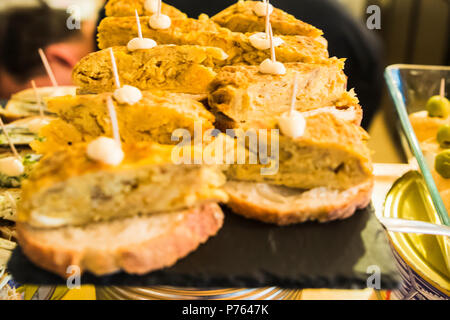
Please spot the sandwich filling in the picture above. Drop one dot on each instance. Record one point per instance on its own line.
(68, 188)
(186, 69)
(154, 118)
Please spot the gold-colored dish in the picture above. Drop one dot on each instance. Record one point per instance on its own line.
(421, 258)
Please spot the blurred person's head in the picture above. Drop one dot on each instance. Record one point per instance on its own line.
(23, 30)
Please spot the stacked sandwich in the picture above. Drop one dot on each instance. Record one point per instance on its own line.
(124, 204)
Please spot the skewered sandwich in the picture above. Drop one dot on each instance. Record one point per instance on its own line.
(68, 188)
(244, 16)
(124, 8)
(244, 97)
(117, 31)
(325, 174)
(154, 118)
(186, 69)
(23, 104)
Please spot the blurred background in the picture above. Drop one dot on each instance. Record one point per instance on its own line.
(412, 31)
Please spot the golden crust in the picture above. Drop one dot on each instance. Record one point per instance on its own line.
(124, 8)
(181, 235)
(185, 69)
(240, 17)
(116, 31)
(329, 206)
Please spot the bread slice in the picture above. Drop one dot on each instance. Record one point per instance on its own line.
(136, 245)
(241, 17)
(249, 98)
(117, 31)
(154, 118)
(124, 8)
(284, 206)
(68, 188)
(186, 69)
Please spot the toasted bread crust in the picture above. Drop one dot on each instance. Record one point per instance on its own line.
(341, 207)
(139, 257)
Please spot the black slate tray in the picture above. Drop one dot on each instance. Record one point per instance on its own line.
(247, 253)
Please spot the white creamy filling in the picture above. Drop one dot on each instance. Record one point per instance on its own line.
(348, 114)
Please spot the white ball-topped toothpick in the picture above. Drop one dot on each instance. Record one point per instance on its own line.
(107, 150)
(140, 42)
(261, 40)
(159, 20)
(123, 94)
(11, 166)
(292, 123)
(272, 66)
(261, 8)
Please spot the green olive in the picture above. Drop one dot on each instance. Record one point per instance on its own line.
(438, 106)
(443, 136)
(442, 164)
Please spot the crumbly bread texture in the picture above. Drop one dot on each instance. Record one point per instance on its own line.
(68, 188)
(331, 153)
(125, 8)
(117, 31)
(249, 98)
(154, 118)
(284, 206)
(135, 245)
(241, 17)
(186, 69)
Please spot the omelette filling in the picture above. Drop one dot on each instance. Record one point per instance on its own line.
(107, 195)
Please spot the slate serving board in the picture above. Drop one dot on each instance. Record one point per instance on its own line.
(250, 254)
